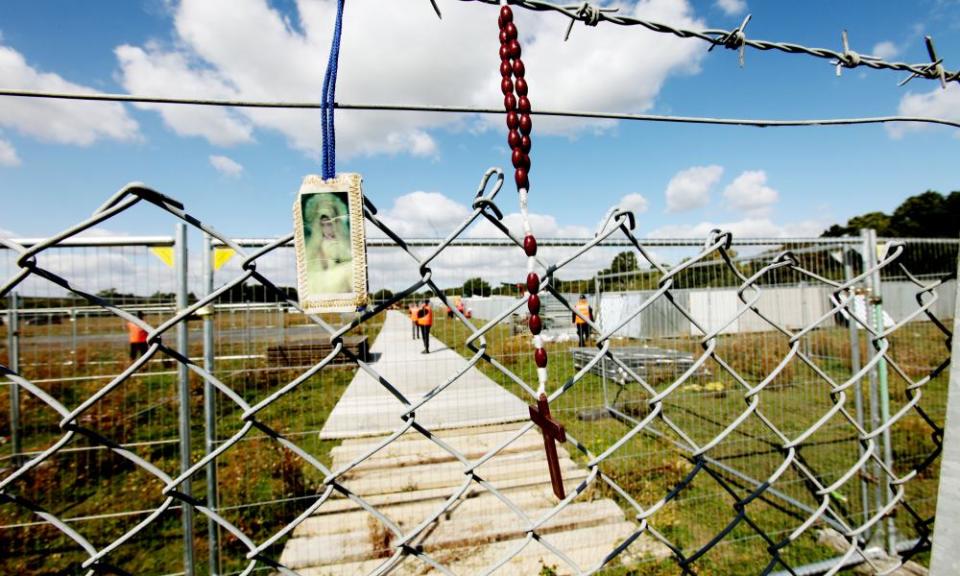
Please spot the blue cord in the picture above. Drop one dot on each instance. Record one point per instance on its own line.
(329, 91)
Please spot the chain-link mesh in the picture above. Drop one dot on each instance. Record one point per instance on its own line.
(777, 501)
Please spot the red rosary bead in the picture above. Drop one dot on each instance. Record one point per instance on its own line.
(533, 283)
(526, 124)
(521, 178)
(530, 245)
(504, 52)
(535, 324)
(505, 69)
(533, 304)
(520, 160)
(521, 87)
(523, 103)
(525, 144)
(506, 86)
(510, 102)
(513, 120)
(503, 37)
(506, 16)
(510, 30)
(514, 49)
(518, 68)
(540, 357)
(514, 139)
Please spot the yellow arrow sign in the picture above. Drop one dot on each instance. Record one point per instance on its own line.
(164, 253)
(221, 255)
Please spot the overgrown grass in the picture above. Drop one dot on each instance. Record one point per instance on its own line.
(262, 486)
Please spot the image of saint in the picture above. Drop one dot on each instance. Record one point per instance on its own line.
(327, 248)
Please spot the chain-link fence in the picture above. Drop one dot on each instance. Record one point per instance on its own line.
(739, 406)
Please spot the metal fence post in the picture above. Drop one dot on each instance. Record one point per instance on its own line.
(848, 255)
(946, 554)
(209, 407)
(881, 392)
(13, 351)
(183, 385)
(74, 319)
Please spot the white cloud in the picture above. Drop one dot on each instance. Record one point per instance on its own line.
(749, 192)
(423, 215)
(394, 53)
(4, 233)
(8, 154)
(732, 7)
(98, 232)
(60, 121)
(937, 103)
(885, 50)
(690, 188)
(635, 203)
(169, 74)
(226, 166)
(542, 225)
(746, 228)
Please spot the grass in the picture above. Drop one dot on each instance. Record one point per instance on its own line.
(262, 486)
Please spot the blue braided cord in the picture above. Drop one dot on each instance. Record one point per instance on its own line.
(327, 103)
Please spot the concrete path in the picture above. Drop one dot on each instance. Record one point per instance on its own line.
(368, 409)
(412, 477)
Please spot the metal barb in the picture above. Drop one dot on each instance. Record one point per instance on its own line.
(586, 12)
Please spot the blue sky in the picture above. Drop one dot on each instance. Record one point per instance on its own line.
(59, 161)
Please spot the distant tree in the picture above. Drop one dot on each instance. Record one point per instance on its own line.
(476, 287)
(927, 215)
(381, 295)
(624, 262)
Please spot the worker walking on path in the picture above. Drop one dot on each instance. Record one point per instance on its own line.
(414, 324)
(583, 311)
(425, 321)
(138, 338)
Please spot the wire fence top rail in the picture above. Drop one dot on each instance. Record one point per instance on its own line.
(442, 108)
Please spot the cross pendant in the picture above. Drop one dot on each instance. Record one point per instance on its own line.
(552, 432)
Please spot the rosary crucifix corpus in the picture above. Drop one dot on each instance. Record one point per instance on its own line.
(515, 101)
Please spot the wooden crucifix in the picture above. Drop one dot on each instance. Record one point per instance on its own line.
(552, 432)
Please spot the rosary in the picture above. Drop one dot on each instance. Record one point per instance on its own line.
(517, 105)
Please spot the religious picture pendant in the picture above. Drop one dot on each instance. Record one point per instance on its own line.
(331, 244)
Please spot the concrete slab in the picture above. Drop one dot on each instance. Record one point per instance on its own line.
(409, 479)
(367, 408)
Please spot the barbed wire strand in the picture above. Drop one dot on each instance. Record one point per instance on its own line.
(736, 39)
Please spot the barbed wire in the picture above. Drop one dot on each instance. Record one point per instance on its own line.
(736, 39)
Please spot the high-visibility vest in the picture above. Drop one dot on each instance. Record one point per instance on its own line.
(413, 313)
(583, 309)
(136, 334)
(426, 319)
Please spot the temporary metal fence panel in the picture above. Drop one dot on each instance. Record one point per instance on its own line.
(721, 434)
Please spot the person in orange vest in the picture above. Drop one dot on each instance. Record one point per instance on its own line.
(583, 329)
(137, 337)
(460, 306)
(414, 324)
(425, 320)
